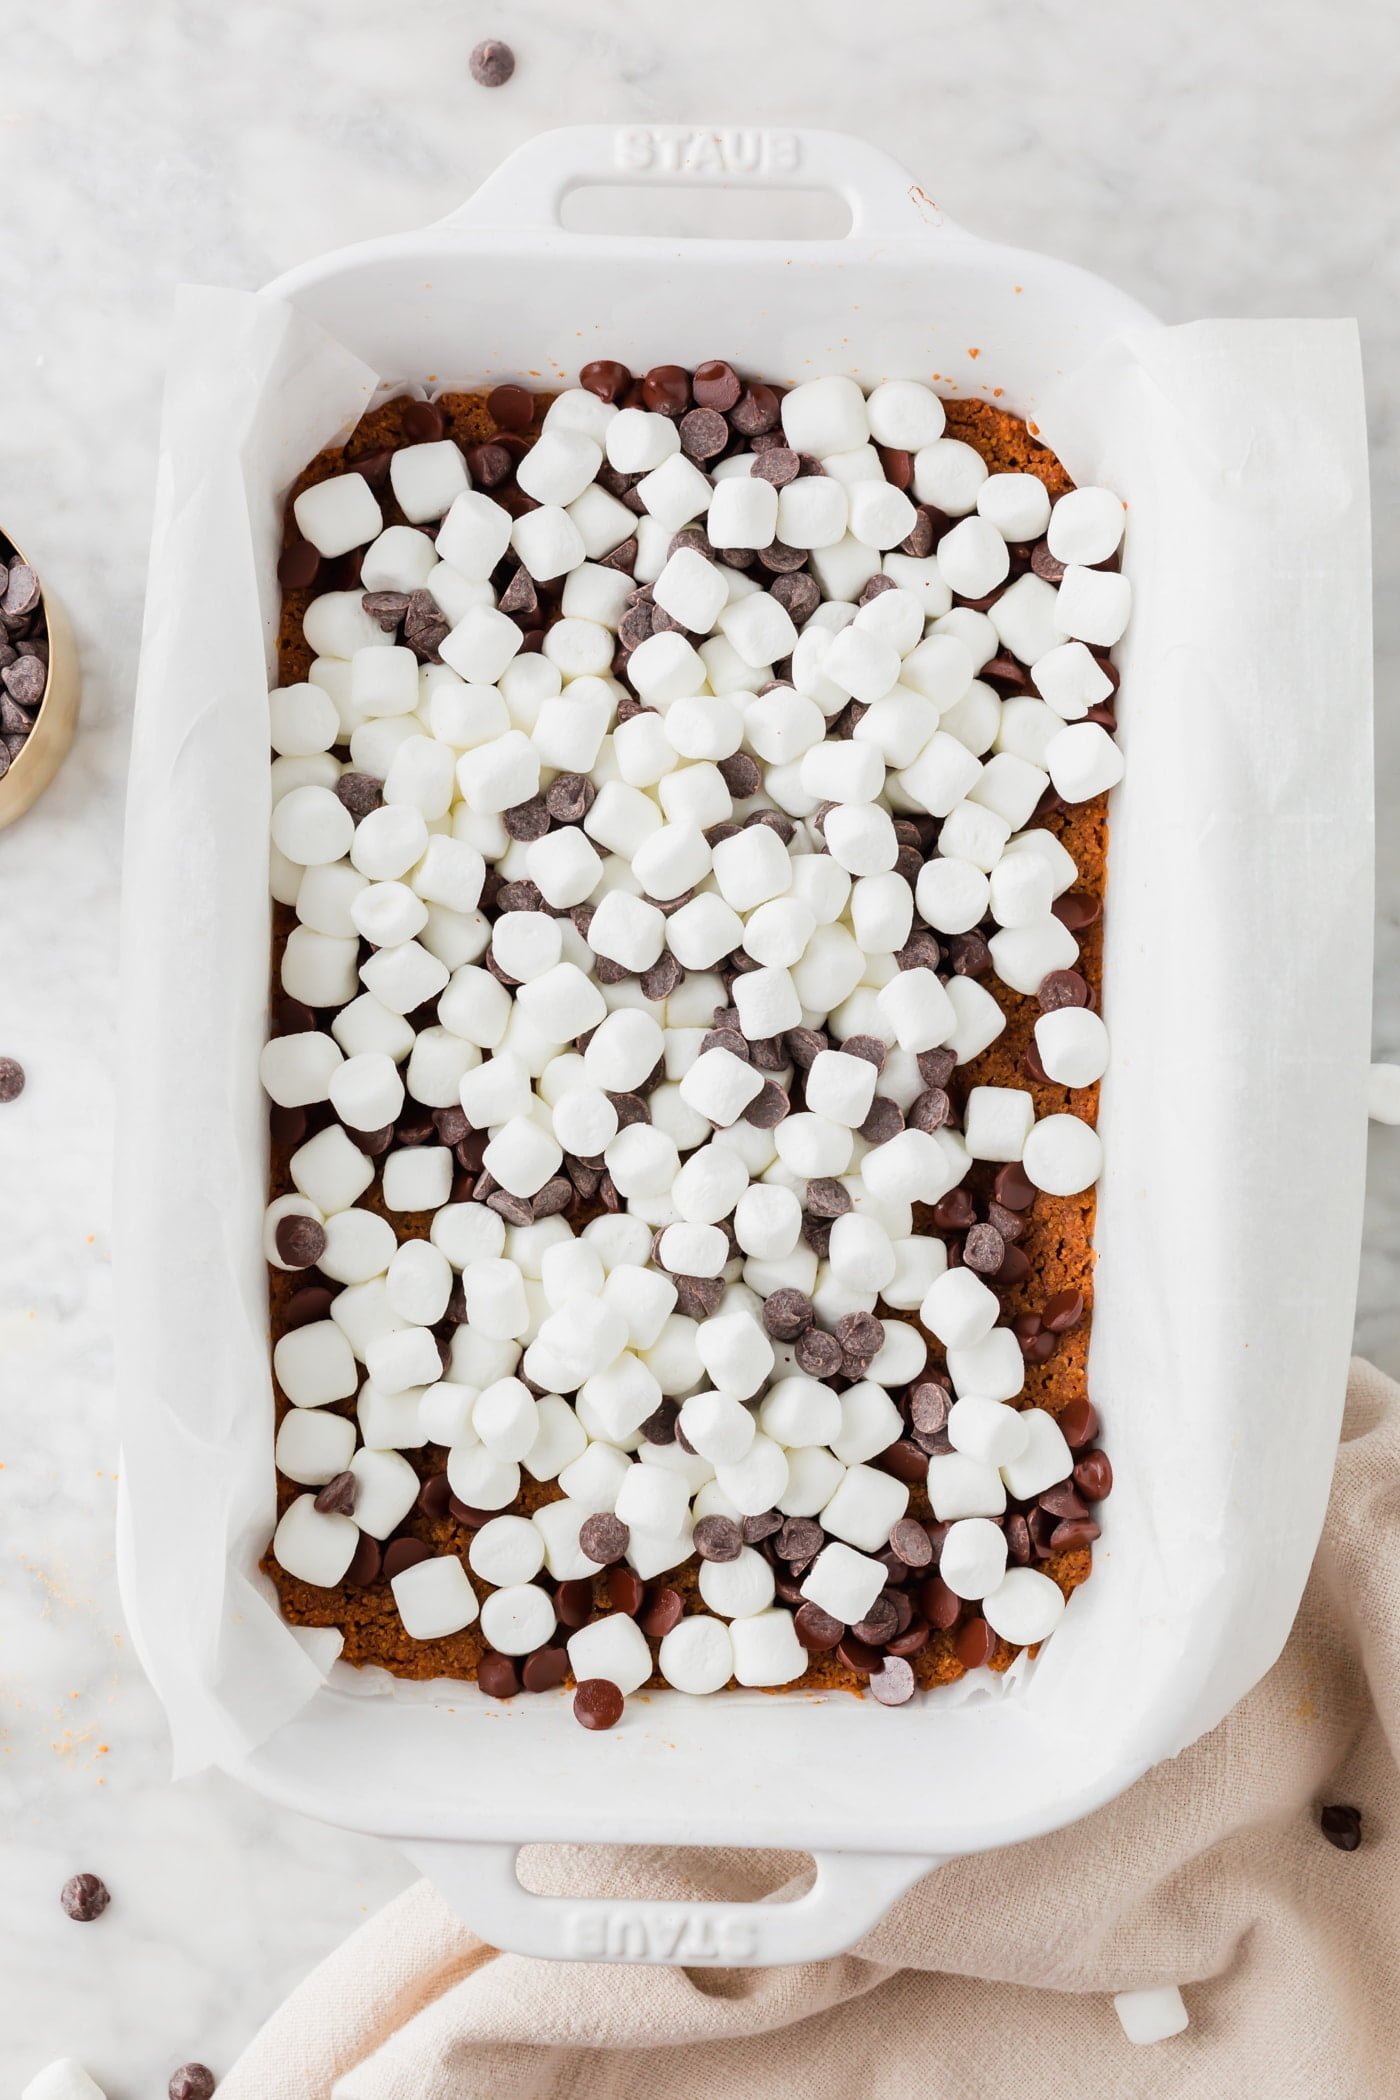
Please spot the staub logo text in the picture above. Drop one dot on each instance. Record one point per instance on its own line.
(673, 150)
(690, 1938)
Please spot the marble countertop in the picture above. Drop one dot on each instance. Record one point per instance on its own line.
(1207, 169)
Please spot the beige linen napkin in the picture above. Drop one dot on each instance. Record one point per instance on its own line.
(994, 1974)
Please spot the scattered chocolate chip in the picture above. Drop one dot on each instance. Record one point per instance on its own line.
(511, 407)
(191, 2082)
(337, 1497)
(932, 1110)
(892, 1682)
(400, 1554)
(298, 566)
(492, 63)
(755, 411)
(909, 1543)
(360, 794)
(300, 1241)
(545, 1669)
(703, 433)
(768, 1107)
(798, 594)
(976, 1644)
(1014, 1187)
(11, 1079)
(816, 1629)
(929, 1406)
(84, 1896)
(498, 1676)
(573, 1602)
(666, 390)
(603, 1537)
(984, 1250)
(800, 1539)
(827, 1198)
(1064, 1311)
(818, 1354)
(860, 1335)
(1062, 988)
(625, 1590)
(1340, 1825)
(880, 1623)
(664, 1609)
(365, 1565)
(597, 1703)
(24, 681)
(718, 1538)
(1093, 1476)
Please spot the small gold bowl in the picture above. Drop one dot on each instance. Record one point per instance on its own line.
(46, 746)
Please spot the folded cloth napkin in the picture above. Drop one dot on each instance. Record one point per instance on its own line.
(994, 1974)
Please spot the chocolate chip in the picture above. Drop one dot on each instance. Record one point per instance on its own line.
(1044, 564)
(489, 464)
(24, 681)
(511, 407)
(400, 1554)
(553, 1199)
(936, 1067)
(191, 2082)
(761, 1526)
(603, 1537)
(984, 1250)
(858, 1655)
(976, 1644)
(884, 1120)
(514, 1209)
(798, 594)
(569, 797)
(545, 1669)
(818, 1354)
(1076, 909)
(1063, 1311)
(703, 433)
(787, 1313)
(1079, 1423)
(385, 608)
(662, 978)
(297, 566)
(573, 1602)
(893, 1682)
(597, 1703)
(492, 63)
(1093, 1476)
(625, 1590)
(11, 1079)
(817, 1233)
(498, 1676)
(860, 1335)
(800, 1539)
(664, 1609)
(932, 1110)
(717, 1538)
(1061, 988)
(909, 1543)
(768, 1107)
(360, 793)
(666, 390)
(969, 955)
(300, 1241)
(520, 597)
(741, 775)
(698, 1296)
(1072, 1533)
(337, 1497)
(755, 411)
(1014, 1187)
(816, 1629)
(955, 1212)
(827, 1198)
(929, 1405)
(84, 1896)
(605, 377)
(879, 1623)
(904, 1459)
(22, 591)
(1340, 1825)
(804, 1046)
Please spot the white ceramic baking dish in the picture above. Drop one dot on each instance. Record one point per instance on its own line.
(1169, 1631)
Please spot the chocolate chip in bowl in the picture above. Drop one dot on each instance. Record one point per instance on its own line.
(38, 683)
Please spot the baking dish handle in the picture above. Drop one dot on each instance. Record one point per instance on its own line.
(850, 1894)
(528, 189)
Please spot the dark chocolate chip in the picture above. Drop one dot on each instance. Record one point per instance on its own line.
(1062, 988)
(298, 566)
(1340, 1824)
(511, 407)
(827, 1198)
(573, 1602)
(666, 390)
(545, 1669)
(603, 1537)
(664, 1609)
(787, 1313)
(624, 1590)
(191, 2082)
(816, 1629)
(337, 1497)
(11, 1079)
(818, 1354)
(300, 1241)
(400, 1554)
(597, 1703)
(718, 1538)
(498, 1676)
(84, 1896)
(909, 1543)
(492, 63)
(360, 793)
(893, 1682)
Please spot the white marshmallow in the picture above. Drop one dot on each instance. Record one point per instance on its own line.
(1063, 1155)
(1010, 787)
(1070, 680)
(800, 1411)
(825, 415)
(642, 1161)
(517, 1619)
(386, 1488)
(987, 1431)
(427, 479)
(613, 1648)
(675, 492)
(743, 513)
(738, 1588)
(814, 1474)
(865, 1507)
(959, 1308)
(952, 895)
(917, 1006)
(697, 1655)
(313, 1546)
(338, 514)
(594, 592)
(559, 465)
(1073, 1046)
(474, 535)
(902, 1356)
(445, 1413)
(961, 1487)
(297, 1070)
(979, 1020)
(314, 1445)
(314, 1365)
(302, 720)
(843, 1582)
(522, 1156)
(693, 1250)
(358, 1246)
(948, 474)
(1086, 526)
(419, 1282)
(560, 1438)
(844, 570)
(495, 1294)
(1094, 606)
(1026, 618)
(480, 1479)
(766, 1649)
(940, 776)
(861, 1256)
(651, 1498)
(904, 414)
(992, 1367)
(1083, 761)
(1023, 956)
(918, 1262)
(638, 441)
(387, 843)
(973, 1560)
(468, 1232)
(997, 1121)
(406, 1357)
(434, 1598)
(548, 543)
(1018, 505)
(311, 826)
(881, 515)
(870, 1421)
(973, 557)
(498, 774)
(736, 1353)
(1026, 1607)
(720, 1086)
(911, 1168)
(719, 1427)
(558, 1525)
(861, 838)
(1021, 890)
(592, 1479)
(767, 1221)
(812, 512)
(692, 590)
(757, 1480)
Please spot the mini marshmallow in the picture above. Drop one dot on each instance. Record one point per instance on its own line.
(561, 1001)
(517, 1619)
(445, 1413)
(870, 1421)
(766, 1649)
(919, 1261)
(1073, 1046)
(902, 1356)
(736, 1353)
(481, 645)
(973, 833)
(366, 1025)
(1063, 1155)
(825, 415)
(623, 1050)
(1025, 729)
(1026, 1607)
(522, 1156)
(427, 479)
(918, 1008)
(843, 1582)
(474, 535)
(904, 414)
(693, 1250)
(1086, 527)
(861, 1256)
(313, 1546)
(338, 514)
(738, 1588)
(813, 512)
(948, 474)
(358, 1246)
(1023, 956)
(1011, 788)
(814, 1474)
(1026, 618)
(841, 1087)
(560, 1438)
(1070, 680)
(387, 843)
(468, 1232)
(483, 1481)
(973, 557)
(386, 1488)
(718, 1427)
(336, 624)
(613, 1648)
(1094, 605)
(900, 724)
(1018, 505)
(709, 1185)
(393, 1421)
(880, 514)
(910, 1168)
(960, 1487)
(637, 441)
(558, 1525)
(642, 1161)
(952, 895)
(419, 1282)
(978, 1018)
(297, 1070)
(548, 543)
(941, 775)
(592, 1479)
(399, 560)
(314, 1445)
(314, 1365)
(524, 944)
(801, 1411)
(755, 1482)
(993, 1367)
(861, 838)
(302, 720)
(504, 1418)
(743, 513)
(882, 912)
(1021, 890)
(585, 1121)
(311, 826)
(387, 913)
(499, 774)
(692, 590)
(811, 1146)
(973, 1559)
(406, 1357)
(594, 592)
(495, 1091)
(865, 1507)
(997, 1121)
(987, 1431)
(564, 867)
(495, 1295)
(404, 977)
(675, 492)
(720, 1086)
(767, 1221)
(434, 1598)
(559, 465)
(1083, 761)
(651, 1498)
(697, 1655)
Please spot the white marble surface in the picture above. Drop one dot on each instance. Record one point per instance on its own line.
(1207, 167)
